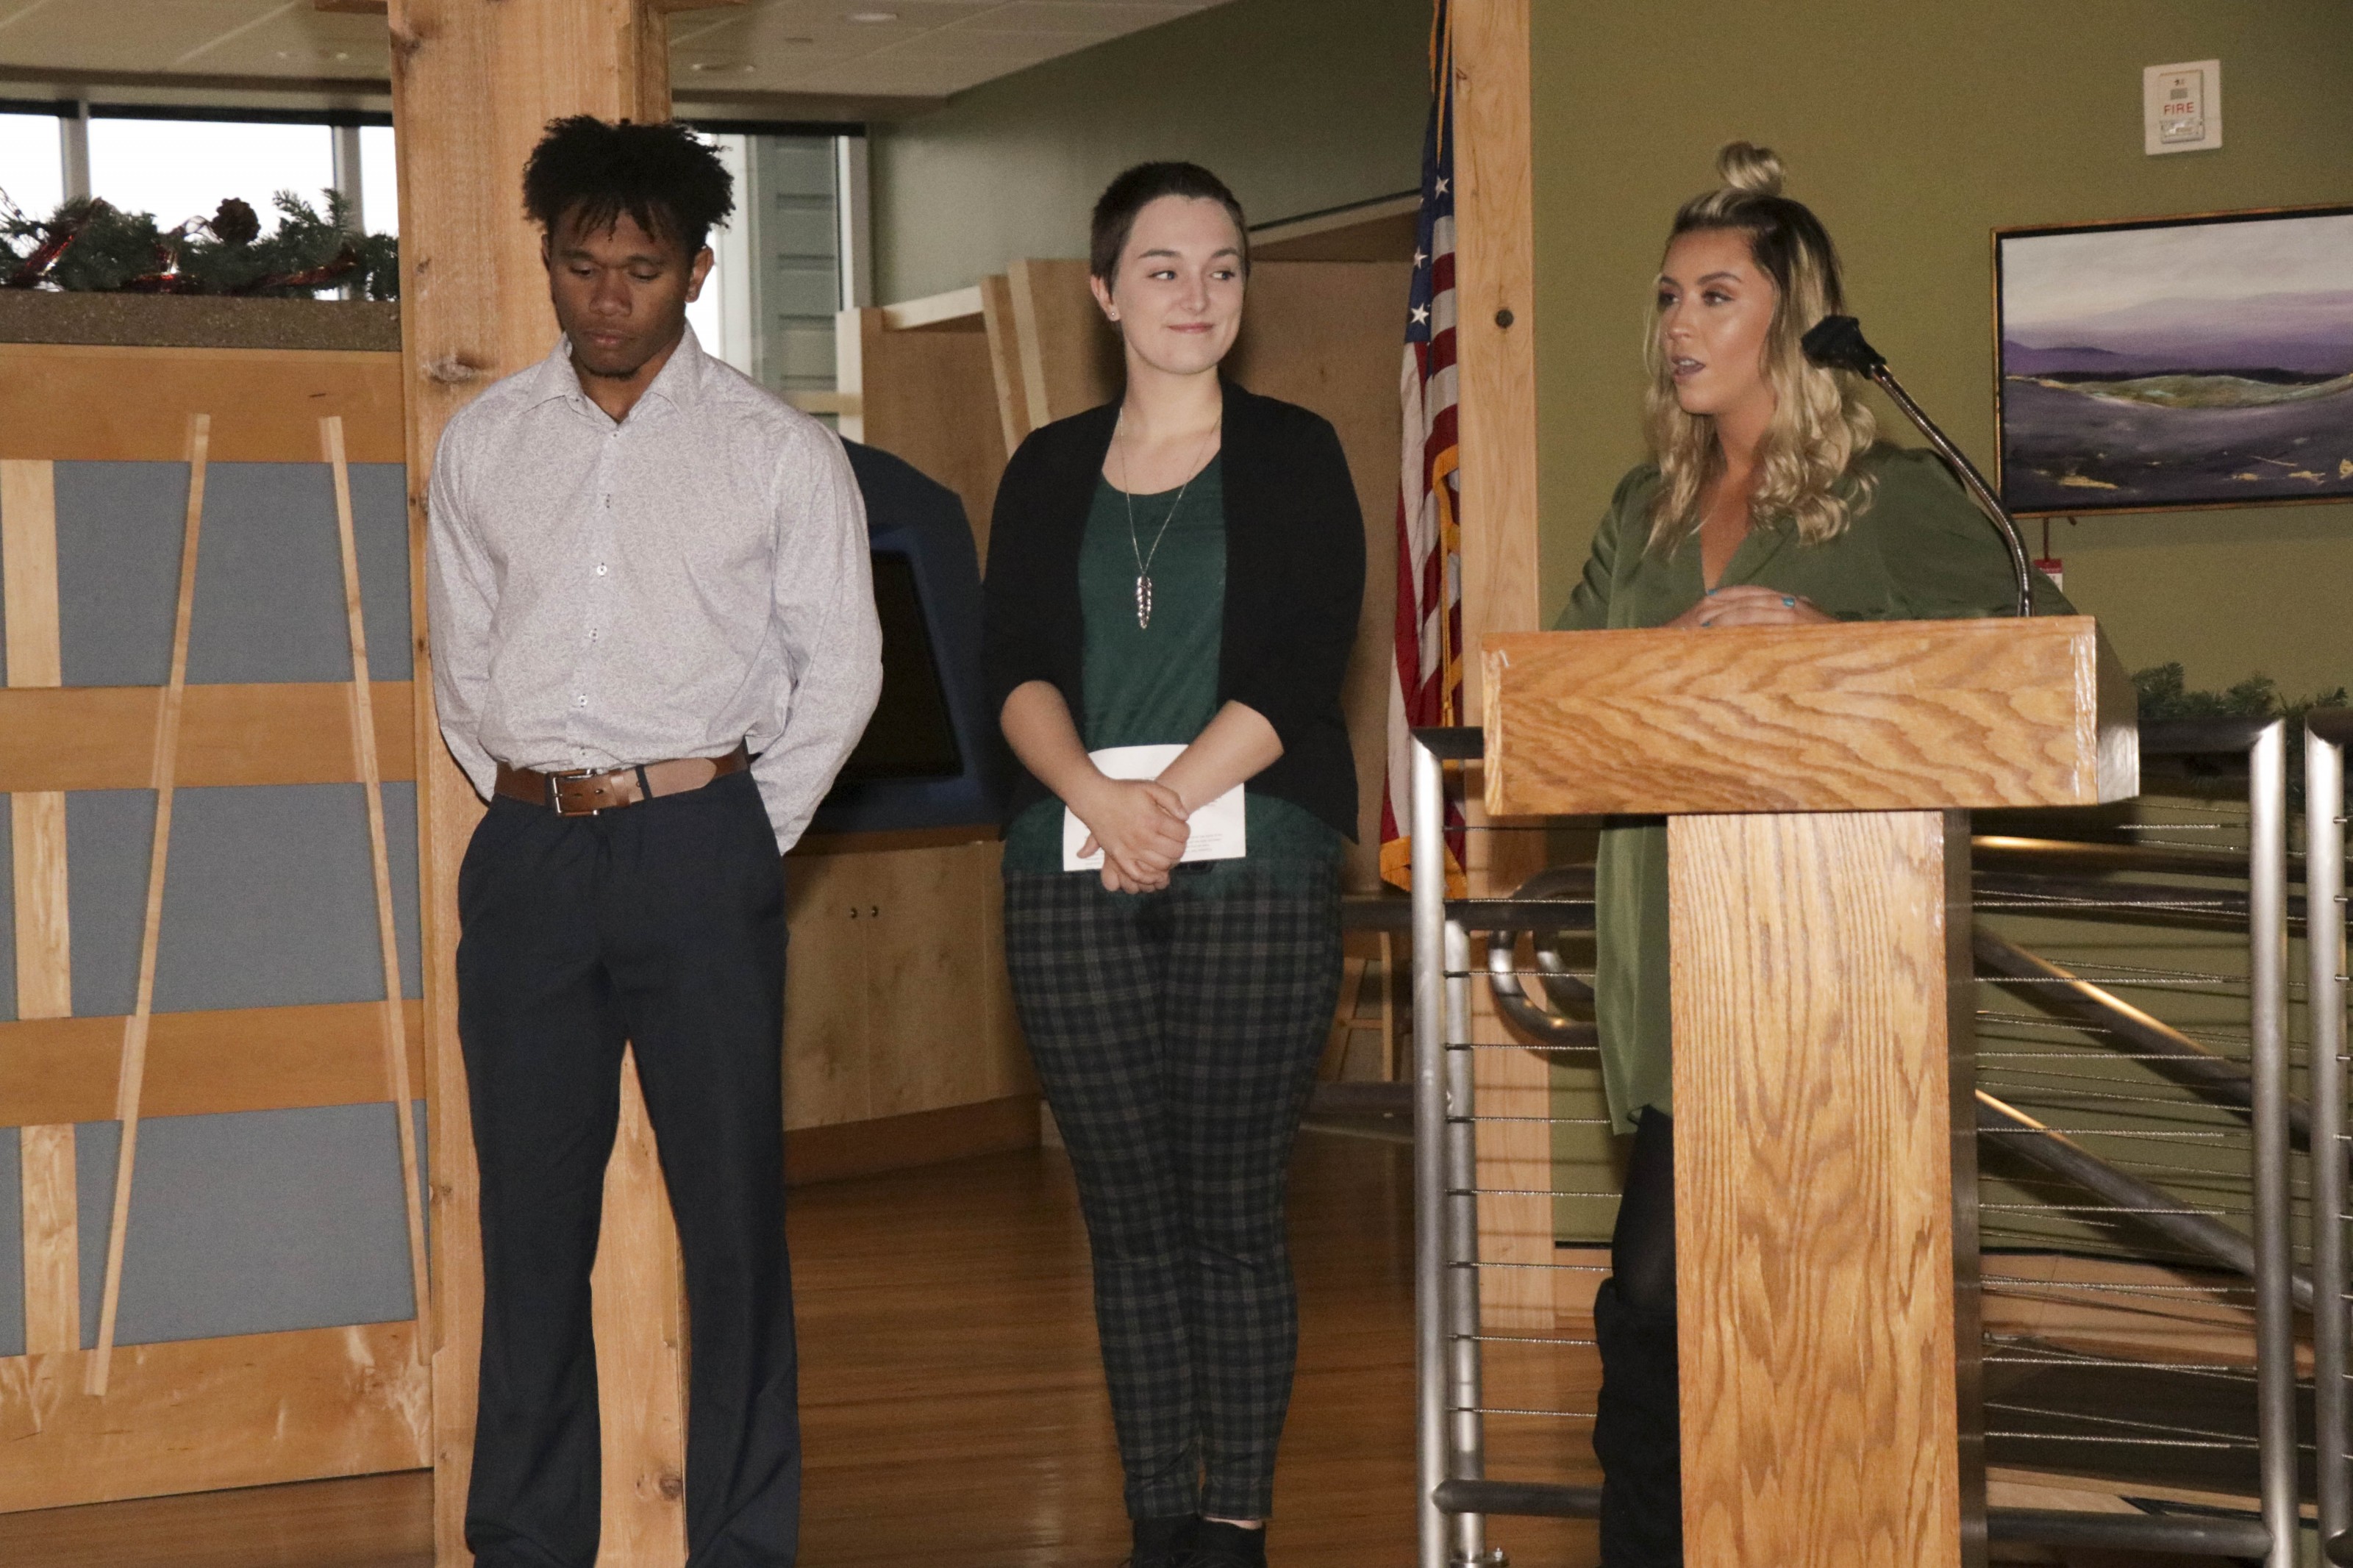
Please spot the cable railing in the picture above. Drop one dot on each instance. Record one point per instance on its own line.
(2142, 1188)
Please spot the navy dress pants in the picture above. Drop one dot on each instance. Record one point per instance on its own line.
(660, 926)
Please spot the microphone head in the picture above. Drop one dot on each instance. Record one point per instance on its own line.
(1836, 342)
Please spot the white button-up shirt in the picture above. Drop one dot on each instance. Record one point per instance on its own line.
(603, 594)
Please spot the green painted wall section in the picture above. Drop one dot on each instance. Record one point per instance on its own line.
(1299, 105)
(1914, 131)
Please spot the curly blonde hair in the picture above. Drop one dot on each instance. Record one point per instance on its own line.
(1819, 425)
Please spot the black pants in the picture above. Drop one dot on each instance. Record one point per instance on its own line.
(1636, 1433)
(660, 925)
(1176, 1036)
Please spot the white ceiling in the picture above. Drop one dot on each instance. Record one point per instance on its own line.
(917, 49)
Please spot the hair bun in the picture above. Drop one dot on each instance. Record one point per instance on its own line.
(1746, 167)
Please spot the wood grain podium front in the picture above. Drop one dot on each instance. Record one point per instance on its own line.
(1816, 781)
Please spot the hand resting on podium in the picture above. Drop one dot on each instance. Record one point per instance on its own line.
(1749, 605)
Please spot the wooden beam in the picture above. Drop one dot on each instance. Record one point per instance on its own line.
(46, 1182)
(1494, 339)
(363, 757)
(473, 85)
(134, 1028)
(641, 1382)
(67, 402)
(45, 1169)
(64, 1070)
(958, 309)
(1495, 293)
(53, 738)
(201, 1414)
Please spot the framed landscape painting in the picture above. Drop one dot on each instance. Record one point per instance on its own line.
(2174, 363)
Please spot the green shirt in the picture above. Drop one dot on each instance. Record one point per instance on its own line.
(1919, 550)
(1157, 684)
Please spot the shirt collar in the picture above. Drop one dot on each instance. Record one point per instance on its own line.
(678, 383)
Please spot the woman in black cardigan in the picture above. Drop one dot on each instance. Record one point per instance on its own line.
(1174, 583)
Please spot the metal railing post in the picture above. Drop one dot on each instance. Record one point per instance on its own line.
(1467, 1444)
(2267, 987)
(2324, 893)
(1430, 1207)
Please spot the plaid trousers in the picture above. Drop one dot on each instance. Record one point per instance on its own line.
(1175, 1035)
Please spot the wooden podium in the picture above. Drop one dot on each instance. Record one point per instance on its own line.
(1816, 781)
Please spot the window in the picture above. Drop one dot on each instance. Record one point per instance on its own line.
(782, 267)
(32, 163)
(183, 169)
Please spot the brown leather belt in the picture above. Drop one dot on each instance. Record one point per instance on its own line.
(587, 793)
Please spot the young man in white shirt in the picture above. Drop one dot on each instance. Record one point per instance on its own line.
(654, 642)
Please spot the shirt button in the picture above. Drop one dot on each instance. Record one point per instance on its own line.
(581, 700)
(600, 569)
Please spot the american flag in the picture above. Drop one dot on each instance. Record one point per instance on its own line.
(1427, 687)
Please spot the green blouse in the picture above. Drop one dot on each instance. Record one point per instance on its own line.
(1919, 550)
(1157, 684)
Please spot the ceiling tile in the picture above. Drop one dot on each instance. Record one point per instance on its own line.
(929, 48)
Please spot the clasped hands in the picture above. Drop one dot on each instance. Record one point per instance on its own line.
(1141, 827)
(1746, 604)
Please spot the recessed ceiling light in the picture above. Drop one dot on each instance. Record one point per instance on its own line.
(874, 17)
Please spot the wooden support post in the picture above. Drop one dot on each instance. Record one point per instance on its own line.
(36, 831)
(473, 85)
(1495, 273)
(1005, 360)
(371, 773)
(1826, 1258)
(133, 1073)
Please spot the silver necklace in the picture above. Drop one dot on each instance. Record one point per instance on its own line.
(1143, 558)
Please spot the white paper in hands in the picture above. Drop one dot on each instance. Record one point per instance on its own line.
(1219, 832)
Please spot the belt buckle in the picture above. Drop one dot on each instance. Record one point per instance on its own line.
(558, 780)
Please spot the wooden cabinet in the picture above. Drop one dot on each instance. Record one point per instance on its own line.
(895, 995)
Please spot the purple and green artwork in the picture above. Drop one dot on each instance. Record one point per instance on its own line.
(2176, 363)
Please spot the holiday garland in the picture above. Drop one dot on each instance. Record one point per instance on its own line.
(92, 245)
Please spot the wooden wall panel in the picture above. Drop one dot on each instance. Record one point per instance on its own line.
(276, 732)
(1330, 335)
(928, 395)
(1004, 360)
(925, 981)
(91, 402)
(1069, 356)
(199, 1414)
(830, 908)
(62, 1071)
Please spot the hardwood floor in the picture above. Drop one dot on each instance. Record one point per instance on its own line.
(953, 1404)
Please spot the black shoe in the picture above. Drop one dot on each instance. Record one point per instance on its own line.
(1163, 1542)
(1221, 1545)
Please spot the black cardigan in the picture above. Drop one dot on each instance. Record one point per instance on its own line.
(1294, 586)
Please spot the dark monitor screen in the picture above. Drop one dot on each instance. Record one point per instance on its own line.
(911, 735)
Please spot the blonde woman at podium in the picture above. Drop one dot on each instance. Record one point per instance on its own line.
(1768, 501)
(1173, 587)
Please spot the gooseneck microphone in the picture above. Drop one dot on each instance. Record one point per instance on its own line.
(1836, 342)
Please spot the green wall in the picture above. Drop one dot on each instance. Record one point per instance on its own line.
(1299, 105)
(1914, 130)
